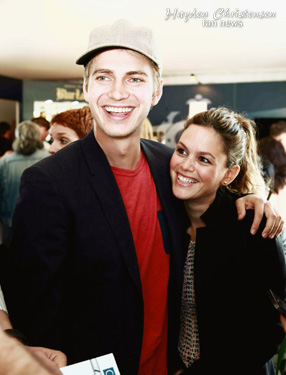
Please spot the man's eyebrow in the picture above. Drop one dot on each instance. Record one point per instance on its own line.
(131, 73)
(102, 71)
(137, 72)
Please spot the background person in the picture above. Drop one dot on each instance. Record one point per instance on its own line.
(278, 132)
(228, 322)
(147, 130)
(5, 138)
(44, 130)
(28, 149)
(69, 126)
(272, 151)
(273, 158)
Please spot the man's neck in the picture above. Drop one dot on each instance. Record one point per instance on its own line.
(121, 153)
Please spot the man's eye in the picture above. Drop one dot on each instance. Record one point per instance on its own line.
(101, 78)
(181, 151)
(136, 79)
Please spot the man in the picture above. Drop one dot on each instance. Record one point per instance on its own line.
(5, 138)
(45, 128)
(278, 132)
(97, 229)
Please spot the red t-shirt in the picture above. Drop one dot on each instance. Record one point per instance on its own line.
(142, 204)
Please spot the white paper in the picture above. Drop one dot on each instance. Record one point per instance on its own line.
(103, 365)
(81, 368)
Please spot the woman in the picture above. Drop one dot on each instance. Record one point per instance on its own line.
(69, 126)
(228, 323)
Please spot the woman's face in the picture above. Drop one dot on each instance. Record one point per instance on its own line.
(61, 136)
(198, 165)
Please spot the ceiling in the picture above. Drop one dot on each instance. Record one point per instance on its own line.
(41, 39)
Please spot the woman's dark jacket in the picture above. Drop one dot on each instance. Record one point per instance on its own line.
(239, 328)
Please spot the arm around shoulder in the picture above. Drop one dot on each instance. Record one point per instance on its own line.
(274, 222)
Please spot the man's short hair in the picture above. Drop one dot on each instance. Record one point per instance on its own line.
(41, 121)
(277, 128)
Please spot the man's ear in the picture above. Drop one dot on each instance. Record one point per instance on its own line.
(230, 175)
(158, 94)
(85, 91)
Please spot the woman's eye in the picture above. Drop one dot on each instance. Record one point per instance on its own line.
(64, 141)
(204, 160)
(181, 151)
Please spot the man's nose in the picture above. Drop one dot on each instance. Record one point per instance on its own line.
(118, 91)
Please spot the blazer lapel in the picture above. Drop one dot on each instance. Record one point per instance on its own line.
(105, 187)
(174, 209)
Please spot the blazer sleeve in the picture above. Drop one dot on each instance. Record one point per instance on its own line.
(39, 245)
(269, 272)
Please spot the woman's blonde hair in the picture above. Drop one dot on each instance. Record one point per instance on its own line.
(27, 138)
(239, 139)
(147, 130)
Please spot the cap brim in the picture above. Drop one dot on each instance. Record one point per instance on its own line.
(87, 56)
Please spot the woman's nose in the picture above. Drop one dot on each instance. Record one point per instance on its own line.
(53, 148)
(188, 164)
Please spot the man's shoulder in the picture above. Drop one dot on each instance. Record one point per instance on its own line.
(63, 160)
(157, 147)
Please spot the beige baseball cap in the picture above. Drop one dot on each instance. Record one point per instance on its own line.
(122, 34)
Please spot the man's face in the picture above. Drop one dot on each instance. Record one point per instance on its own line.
(120, 92)
(44, 132)
(281, 138)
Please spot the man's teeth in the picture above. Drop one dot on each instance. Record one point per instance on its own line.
(118, 110)
(186, 180)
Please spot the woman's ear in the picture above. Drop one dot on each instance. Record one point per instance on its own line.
(230, 175)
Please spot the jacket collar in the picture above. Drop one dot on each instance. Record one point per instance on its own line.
(214, 241)
(105, 187)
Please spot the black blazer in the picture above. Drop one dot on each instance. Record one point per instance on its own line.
(239, 328)
(74, 283)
